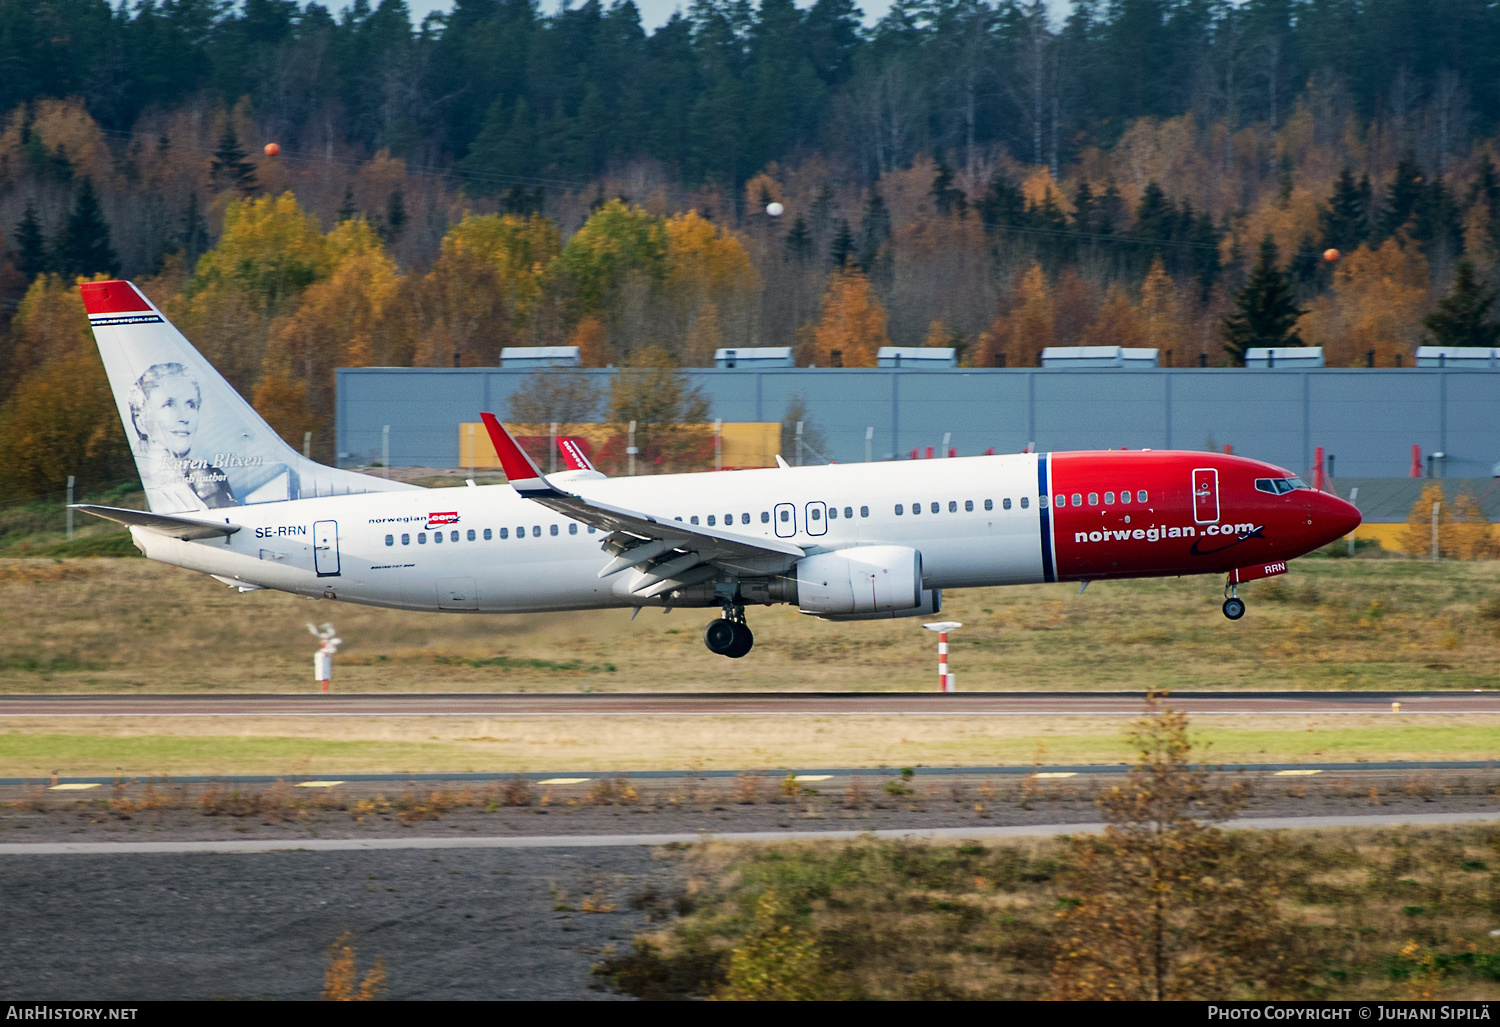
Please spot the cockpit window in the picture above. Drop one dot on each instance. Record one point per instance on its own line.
(1280, 486)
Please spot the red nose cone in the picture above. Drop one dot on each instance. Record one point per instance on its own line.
(1334, 517)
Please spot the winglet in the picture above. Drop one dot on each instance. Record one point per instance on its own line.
(524, 475)
(573, 455)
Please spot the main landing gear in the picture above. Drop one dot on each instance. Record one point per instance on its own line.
(729, 635)
(1234, 606)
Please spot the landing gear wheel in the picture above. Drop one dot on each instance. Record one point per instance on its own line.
(743, 640)
(1234, 608)
(722, 636)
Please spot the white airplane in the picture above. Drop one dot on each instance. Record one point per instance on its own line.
(229, 498)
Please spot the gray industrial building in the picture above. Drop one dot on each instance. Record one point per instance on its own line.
(1367, 420)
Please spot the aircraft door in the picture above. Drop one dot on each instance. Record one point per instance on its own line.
(786, 520)
(1205, 495)
(326, 548)
(815, 520)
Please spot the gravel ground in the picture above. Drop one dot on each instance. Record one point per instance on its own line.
(477, 924)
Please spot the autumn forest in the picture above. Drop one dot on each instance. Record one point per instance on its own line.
(303, 189)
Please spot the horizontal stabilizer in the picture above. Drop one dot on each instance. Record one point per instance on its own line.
(185, 528)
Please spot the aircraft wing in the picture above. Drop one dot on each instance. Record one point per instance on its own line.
(669, 553)
(186, 528)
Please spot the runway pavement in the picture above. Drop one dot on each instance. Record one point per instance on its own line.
(717, 704)
(596, 841)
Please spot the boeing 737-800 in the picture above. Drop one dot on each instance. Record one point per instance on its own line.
(229, 498)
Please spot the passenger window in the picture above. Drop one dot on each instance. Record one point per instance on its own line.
(1078, 499)
(1140, 497)
(1061, 501)
(591, 529)
(552, 529)
(728, 519)
(573, 528)
(953, 506)
(864, 511)
(711, 521)
(437, 536)
(390, 540)
(536, 531)
(421, 538)
(786, 515)
(916, 508)
(406, 540)
(765, 518)
(1109, 499)
(504, 533)
(833, 513)
(453, 536)
(744, 518)
(488, 534)
(848, 513)
(968, 506)
(817, 514)
(471, 534)
(1093, 499)
(1004, 504)
(934, 508)
(1026, 501)
(1124, 497)
(899, 510)
(693, 519)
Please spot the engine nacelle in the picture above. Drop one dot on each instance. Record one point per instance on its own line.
(932, 602)
(860, 581)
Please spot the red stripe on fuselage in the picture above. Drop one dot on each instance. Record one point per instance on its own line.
(1161, 536)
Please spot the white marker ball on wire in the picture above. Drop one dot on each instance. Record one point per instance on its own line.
(775, 209)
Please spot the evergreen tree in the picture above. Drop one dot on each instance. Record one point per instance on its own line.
(1205, 237)
(194, 231)
(31, 248)
(1486, 191)
(348, 210)
(1304, 266)
(1003, 206)
(947, 197)
(83, 247)
(1436, 222)
(1459, 319)
(395, 216)
(229, 168)
(1265, 310)
(842, 252)
(799, 241)
(1344, 223)
(1401, 199)
(874, 230)
(1083, 207)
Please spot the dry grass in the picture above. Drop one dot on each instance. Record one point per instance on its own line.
(143, 746)
(1380, 913)
(130, 625)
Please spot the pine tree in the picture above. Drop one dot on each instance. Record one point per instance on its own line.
(229, 168)
(31, 248)
(348, 210)
(83, 247)
(1344, 223)
(395, 216)
(1459, 319)
(1305, 262)
(194, 231)
(843, 246)
(1266, 310)
(799, 242)
(947, 197)
(1401, 199)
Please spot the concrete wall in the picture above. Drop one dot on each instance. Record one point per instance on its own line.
(1367, 418)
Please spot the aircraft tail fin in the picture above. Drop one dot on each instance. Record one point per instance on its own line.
(197, 444)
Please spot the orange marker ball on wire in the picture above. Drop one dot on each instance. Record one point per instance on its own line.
(272, 149)
(1331, 255)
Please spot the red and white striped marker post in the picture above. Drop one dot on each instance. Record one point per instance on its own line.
(945, 677)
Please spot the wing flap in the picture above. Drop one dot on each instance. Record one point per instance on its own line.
(186, 528)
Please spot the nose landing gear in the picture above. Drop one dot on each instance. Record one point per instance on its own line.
(729, 635)
(1234, 606)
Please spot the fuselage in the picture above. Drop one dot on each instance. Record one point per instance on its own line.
(976, 521)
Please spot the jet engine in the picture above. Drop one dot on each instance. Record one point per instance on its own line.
(862, 582)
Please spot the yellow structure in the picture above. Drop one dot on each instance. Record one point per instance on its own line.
(741, 444)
